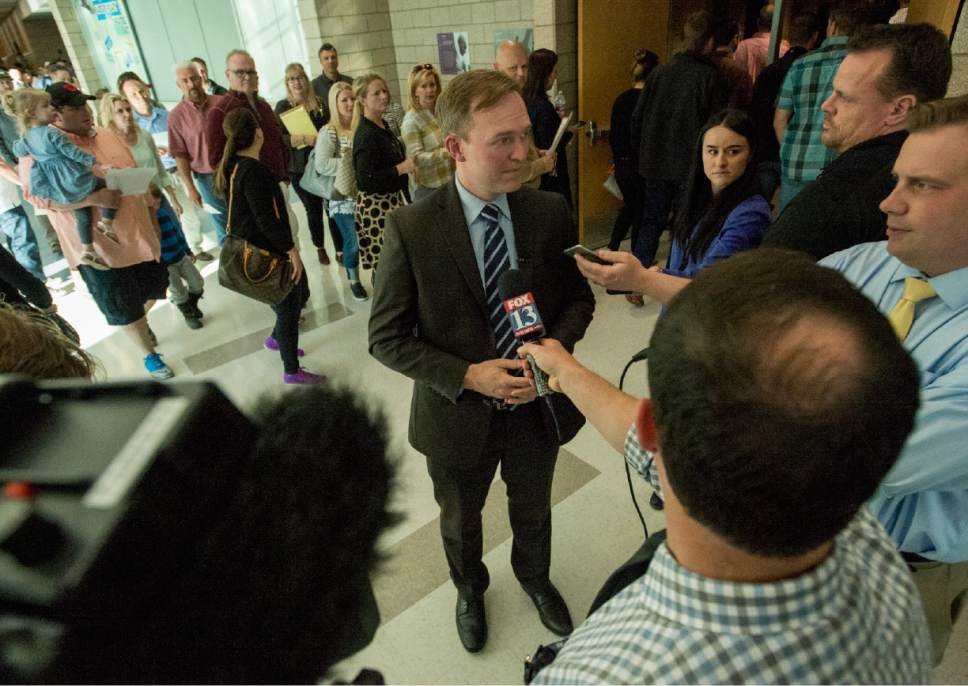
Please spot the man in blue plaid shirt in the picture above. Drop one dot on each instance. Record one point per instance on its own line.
(798, 120)
(776, 410)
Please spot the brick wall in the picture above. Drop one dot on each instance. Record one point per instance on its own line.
(77, 50)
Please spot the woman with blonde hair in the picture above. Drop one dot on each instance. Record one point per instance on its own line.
(335, 141)
(422, 134)
(185, 283)
(257, 214)
(299, 93)
(381, 165)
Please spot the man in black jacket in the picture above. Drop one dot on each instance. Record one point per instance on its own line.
(888, 70)
(677, 100)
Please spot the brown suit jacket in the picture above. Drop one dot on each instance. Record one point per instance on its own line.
(429, 322)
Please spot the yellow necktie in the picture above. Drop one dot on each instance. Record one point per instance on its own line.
(902, 316)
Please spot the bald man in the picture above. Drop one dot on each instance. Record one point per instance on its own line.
(511, 57)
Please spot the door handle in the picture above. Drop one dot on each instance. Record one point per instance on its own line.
(594, 133)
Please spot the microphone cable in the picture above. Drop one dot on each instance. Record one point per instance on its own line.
(638, 357)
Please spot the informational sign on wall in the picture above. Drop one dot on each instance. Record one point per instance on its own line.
(108, 32)
(454, 50)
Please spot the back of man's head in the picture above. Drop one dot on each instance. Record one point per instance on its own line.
(803, 27)
(920, 59)
(764, 21)
(782, 397)
(851, 15)
(697, 31)
(724, 33)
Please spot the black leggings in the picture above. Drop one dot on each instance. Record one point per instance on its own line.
(314, 215)
(630, 215)
(286, 330)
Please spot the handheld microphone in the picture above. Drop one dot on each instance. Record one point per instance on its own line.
(526, 324)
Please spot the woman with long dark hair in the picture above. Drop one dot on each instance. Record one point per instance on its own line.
(625, 159)
(723, 213)
(257, 214)
(545, 120)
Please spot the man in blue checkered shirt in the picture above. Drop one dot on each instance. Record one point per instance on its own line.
(776, 410)
(798, 120)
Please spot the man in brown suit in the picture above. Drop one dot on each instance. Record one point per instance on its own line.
(437, 318)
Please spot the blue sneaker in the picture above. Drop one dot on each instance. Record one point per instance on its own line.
(157, 368)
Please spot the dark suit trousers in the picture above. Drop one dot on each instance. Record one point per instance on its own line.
(517, 442)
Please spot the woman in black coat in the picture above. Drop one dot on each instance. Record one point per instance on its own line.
(257, 214)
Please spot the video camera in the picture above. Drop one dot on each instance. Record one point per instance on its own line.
(107, 489)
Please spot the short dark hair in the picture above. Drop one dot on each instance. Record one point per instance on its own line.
(769, 440)
(764, 22)
(697, 31)
(933, 115)
(324, 47)
(125, 77)
(724, 32)
(920, 59)
(273, 592)
(200, 61)
(803, 27)
(645, 62)
(852, 15)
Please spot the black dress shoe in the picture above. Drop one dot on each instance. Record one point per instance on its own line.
(471, 624)
(552, 609)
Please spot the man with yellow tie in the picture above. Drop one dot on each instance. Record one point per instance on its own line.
(919, 279)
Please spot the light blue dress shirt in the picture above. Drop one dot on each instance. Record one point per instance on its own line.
(472, 206)
(156, 123)
(923, 501)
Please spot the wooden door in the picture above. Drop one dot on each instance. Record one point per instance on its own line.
(941, 13)
(609, 32)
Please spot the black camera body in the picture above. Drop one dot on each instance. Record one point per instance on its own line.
(107, 489)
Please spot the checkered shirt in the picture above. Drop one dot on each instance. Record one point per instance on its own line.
(425, 145)
(855, 618)
(808, 83)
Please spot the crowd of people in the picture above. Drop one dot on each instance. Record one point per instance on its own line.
(807, 372)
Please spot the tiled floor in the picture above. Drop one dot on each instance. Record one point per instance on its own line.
(595, 525)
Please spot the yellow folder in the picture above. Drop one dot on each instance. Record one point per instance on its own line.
(298, 123)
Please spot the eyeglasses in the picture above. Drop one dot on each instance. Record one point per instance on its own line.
(242, 73)
(422, 67)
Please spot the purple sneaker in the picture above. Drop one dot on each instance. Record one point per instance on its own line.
(271, 343)
(303, 376)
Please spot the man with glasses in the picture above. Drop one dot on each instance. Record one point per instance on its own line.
(244, 92)
(329, 61)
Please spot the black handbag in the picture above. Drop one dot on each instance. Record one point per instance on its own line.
(249, 270)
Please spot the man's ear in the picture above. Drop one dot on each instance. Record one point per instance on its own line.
(899, 111)
(452, 144)
(645, 426)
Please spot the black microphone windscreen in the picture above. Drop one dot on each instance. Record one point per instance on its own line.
(511, 284)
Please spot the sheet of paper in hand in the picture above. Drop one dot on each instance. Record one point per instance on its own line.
(130, 180)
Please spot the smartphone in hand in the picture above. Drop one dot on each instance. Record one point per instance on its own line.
(587, 253)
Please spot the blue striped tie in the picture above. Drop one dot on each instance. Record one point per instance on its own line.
(496, 262)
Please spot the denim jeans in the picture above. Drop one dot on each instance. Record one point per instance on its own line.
(21, 241)
(206, 188)
(346, 223)
(659, 197)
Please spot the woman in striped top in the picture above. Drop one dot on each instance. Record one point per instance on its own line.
(422, 134)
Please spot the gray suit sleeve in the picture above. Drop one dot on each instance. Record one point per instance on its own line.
(394, 317)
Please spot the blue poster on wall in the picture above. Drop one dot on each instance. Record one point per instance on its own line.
(107, 30)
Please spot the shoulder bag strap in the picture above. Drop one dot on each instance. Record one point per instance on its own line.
(228, 218)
